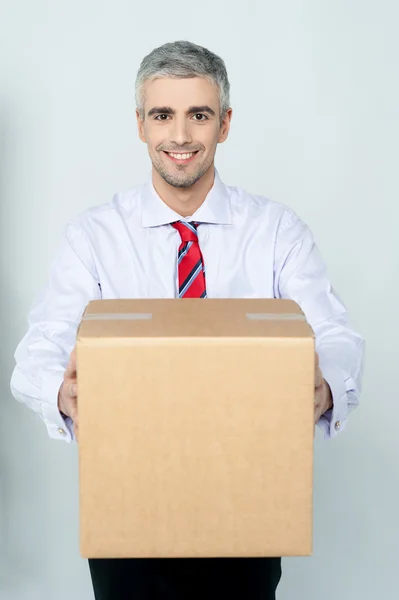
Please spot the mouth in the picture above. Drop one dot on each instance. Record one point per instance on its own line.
(181, 158)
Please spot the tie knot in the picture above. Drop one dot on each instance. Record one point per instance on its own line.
(188, 231)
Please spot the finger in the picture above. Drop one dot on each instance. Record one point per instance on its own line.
(317, 414)
(318, 381)
(76, 430)
(70, 409)
(71, 367)
(73, 412)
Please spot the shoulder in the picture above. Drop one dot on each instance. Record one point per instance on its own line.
(262, 207)
(123, 205)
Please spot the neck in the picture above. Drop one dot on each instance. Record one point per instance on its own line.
(184, 201)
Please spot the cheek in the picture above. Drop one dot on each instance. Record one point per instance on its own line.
(155, 138)
(211, 139)
(210, 146)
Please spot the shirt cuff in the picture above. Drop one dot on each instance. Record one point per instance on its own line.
(58, 428)
(334, 420)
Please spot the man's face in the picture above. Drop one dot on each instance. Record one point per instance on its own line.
(182, 127)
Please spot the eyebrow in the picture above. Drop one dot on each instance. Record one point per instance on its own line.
(167, 110)
(200, 109)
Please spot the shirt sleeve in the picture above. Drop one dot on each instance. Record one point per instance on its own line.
(301, 275)
(43, 353)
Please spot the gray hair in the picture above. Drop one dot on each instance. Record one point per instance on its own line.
(183, 60)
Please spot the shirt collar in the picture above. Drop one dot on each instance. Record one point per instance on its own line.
(214, 209)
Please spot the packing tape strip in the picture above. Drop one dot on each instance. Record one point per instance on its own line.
(117, 317)
(275, 317)
(148, 316)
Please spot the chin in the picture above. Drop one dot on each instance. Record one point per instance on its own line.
(181, 183)
(179, 180)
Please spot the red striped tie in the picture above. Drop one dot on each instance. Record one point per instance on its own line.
(190, 262)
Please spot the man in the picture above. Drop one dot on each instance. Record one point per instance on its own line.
(184, 233)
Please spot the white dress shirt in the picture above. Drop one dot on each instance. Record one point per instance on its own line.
(252, 248)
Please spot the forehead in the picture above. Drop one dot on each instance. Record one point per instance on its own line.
(180, 94)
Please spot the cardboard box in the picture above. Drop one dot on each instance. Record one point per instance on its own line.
(195, 428)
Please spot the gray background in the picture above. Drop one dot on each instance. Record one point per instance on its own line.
(315, 92)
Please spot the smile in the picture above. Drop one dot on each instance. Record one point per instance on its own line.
(181, 157)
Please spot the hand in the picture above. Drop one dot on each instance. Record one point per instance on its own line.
(323, 397)
(68, 393)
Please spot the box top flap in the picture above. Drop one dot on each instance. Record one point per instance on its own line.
(187, 318)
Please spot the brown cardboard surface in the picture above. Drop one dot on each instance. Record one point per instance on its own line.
(195, 428)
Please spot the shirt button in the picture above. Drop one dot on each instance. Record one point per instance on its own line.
(338, 425)
(61, 431)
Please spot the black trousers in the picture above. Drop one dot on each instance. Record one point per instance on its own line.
(185, 578)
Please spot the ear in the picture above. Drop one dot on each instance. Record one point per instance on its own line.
(225, 128)
(140, 127)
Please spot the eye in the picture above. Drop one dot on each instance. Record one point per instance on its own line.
(200, 117)
(161, 117)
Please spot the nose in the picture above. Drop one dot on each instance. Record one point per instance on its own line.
(180, 134)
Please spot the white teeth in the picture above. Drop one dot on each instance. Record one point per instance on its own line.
(181, 156)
